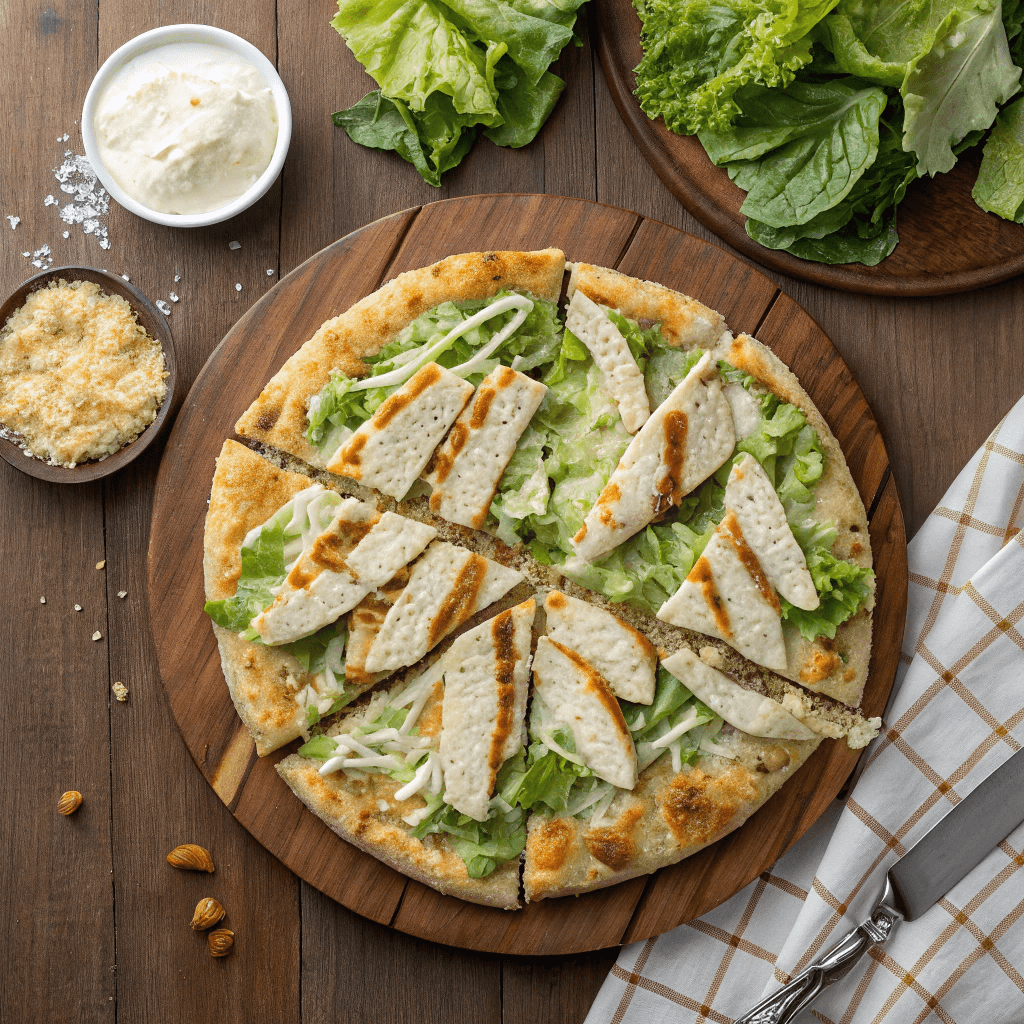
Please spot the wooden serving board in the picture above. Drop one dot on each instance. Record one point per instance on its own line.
(189, 663)
(947, 242)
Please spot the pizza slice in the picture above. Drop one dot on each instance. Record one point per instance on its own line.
(416, 776)
(701, 770)
(448, 313)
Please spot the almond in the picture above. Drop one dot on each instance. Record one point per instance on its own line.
(69, 802)
(221, 941)
(190, 857)
(208, 913)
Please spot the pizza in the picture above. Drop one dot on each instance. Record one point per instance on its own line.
(555, 592)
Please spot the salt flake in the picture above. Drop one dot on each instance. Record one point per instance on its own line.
(172, 296)
(238, 287)
(51, 200)
(270, 273)
(163, 307)
(15, 221)
(234, 245)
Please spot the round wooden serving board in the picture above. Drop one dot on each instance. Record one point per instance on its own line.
(189, 663)
(947, 242)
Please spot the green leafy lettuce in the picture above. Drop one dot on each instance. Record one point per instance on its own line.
(699, 53)
(266, 555)
(574, 443)
(443, 69)
(828, 119)
(1000, 185)
(536, 342)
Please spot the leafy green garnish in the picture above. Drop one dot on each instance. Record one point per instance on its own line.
(1000, 185)
(443, 69)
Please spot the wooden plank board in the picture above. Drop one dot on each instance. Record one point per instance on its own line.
(57, 929)
(947, 242)
(319, 289)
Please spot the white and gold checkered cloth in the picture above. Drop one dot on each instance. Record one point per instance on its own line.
(958, 715)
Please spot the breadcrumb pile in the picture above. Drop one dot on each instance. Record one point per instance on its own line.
(79, 377)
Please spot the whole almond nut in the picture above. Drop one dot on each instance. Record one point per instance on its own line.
(69, 802)
(221, 941)
(208, 913)
(190, 857)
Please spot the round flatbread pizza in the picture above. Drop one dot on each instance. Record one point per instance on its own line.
(555, 591)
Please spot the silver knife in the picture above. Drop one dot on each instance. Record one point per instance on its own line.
(956, 845)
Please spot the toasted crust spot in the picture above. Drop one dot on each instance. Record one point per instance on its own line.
(610, 847)
(698, 807)
(819, 665)
(551, 844)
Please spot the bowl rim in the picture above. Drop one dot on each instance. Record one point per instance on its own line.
(180, 33)
(154, 321)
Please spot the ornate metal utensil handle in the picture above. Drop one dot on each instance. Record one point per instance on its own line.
(782, 1006)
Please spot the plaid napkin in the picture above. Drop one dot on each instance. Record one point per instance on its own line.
(958, 714)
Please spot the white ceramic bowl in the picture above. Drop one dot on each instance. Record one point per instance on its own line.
(188, 34)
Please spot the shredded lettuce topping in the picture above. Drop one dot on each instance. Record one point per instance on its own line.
(439, 336)
(386, 740)
(575, 441)
(549, 776)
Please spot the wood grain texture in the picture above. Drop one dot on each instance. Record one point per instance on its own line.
(282, 320)
(57, 928)
(947, 242)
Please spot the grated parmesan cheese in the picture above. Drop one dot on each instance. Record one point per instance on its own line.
(79, 378)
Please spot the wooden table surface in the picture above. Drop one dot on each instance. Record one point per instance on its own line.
(95, 924)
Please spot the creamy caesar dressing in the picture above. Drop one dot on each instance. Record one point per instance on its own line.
(186, 128)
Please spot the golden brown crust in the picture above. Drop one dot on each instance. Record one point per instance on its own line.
(668, 816)
(278, 416)
(350, 807)
(838, 668)
(685, 322)
(263, 681)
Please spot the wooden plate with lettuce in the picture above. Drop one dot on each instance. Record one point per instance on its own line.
(875, 148)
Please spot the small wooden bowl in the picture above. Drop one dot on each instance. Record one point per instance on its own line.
(152, 320)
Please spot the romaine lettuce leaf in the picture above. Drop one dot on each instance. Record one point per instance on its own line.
(957, 86)
(524, 106)
(263, 567)
(699, 53)
(433, 140)
(445, 68)
(798, 152)
(533, 43)
(1000, 185)
(412, 48)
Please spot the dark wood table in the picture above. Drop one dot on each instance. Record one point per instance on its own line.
(95, 924)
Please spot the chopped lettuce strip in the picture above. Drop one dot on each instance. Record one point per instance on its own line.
(536, 342)
(482, 845)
